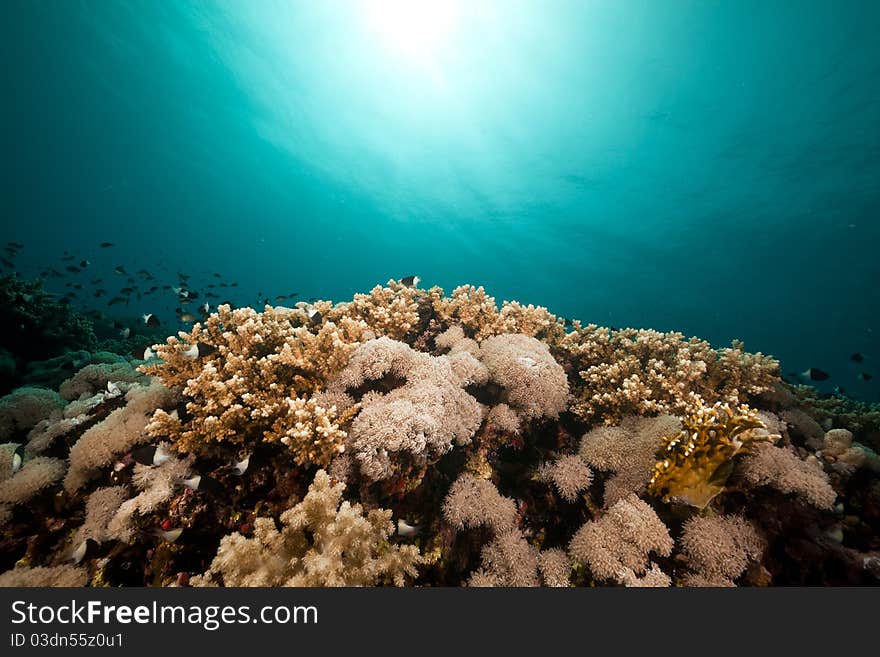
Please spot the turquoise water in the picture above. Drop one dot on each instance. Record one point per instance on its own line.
(708, 167)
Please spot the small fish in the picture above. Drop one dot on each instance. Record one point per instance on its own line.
(864, 376)
(241, 467)
(857, 357)
(142, 272)
(187, 318)
(7, 264)
(148, 354)
(233, 285)
(205, 308)
(126, 290)
(171, 535)
(96, 281)
(211, 295)
(215, 275)
(73, 269)
(16, 245)
(152, 289)
(120, 270)
(815, 374)
(67, 258)
(314, 316)
(150, 319)
(77, 286)
(17, 457)
(106, 245)
(150, 455)
(203, 483)
(280, 298)
(410, 281)
(406, 530)
(86, 549)
(99, 293)
(84, 263)
(125, 332)
(116, 300)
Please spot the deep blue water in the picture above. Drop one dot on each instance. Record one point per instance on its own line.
(705, 166)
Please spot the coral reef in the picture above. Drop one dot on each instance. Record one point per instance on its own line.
(407, 437)
(324, 541)
(697, 461)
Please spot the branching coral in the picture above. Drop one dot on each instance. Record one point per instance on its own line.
(643, 372)
(618, 544)
(323, 541)
(392, 311)
(697, 461)
(247, 376)
(417, 422)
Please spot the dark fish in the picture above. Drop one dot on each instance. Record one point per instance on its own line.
(280, 298)
(142, 272)
(84, 263)
(152, 289)
(864, 376)
(203, 483)
(105, 245)
(126, 290)
(6, 263)
(857, 357)
(16, 245)
(73, 269)
(96, 281)
(211, 286)
(116, 300)
(215, 275)
(54, 273)
(150, 319)
(211, 295)
(67, 258)
(205, 349)
(815, 374)
(410, 281)
(233, 285)
(120, 270)
(314, 316)
(223, 285)
(205, 308)
(77, 287)
(100, 293)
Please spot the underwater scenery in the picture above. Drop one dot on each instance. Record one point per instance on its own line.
(440, 293)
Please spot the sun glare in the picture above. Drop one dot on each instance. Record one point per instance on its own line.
(415, 29)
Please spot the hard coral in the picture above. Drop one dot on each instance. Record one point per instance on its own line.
(643, 372)
(698, 460)
(323, 541)
(247, 378)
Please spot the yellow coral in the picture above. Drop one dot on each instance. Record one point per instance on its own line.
(697, 461)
